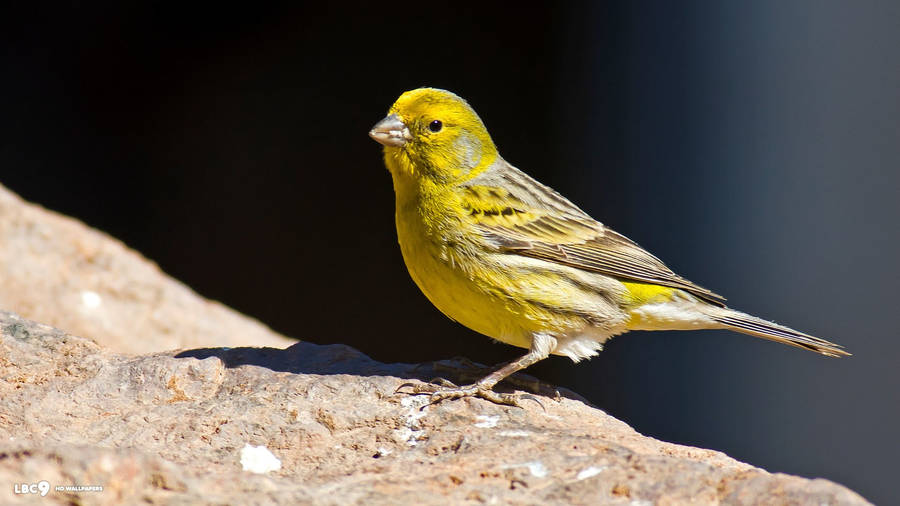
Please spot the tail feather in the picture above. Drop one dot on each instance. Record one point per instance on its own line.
(741, 322)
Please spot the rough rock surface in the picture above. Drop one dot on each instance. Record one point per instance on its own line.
(173, 427)
(56, 270)
(170, 428)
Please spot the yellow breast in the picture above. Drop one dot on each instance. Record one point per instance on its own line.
(455, 282)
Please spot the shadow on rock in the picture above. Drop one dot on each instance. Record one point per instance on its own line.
(309, 358)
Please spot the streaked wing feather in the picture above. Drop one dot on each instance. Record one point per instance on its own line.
(562, 233)
(615, 258)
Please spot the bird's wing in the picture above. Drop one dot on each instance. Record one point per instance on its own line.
(520, 216)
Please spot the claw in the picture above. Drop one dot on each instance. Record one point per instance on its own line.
(442, 394)
(414, 386)
(443, 382)
(440, 389)
(431, 387)
(535, 399)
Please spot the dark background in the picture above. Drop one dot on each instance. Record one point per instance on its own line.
(755, 148)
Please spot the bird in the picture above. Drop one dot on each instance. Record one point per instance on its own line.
(512, 259)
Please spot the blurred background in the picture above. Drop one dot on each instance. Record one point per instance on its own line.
(754, 147)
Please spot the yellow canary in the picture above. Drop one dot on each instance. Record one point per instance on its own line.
(510, 258)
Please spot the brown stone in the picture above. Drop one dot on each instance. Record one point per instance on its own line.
(56, 270)
(171, 426)
(167, 427)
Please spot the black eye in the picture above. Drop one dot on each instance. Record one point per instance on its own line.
(435, 126)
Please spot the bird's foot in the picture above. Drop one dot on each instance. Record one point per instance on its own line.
(440, 389)
(472, 371)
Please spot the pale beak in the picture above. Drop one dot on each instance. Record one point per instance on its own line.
(391, 131)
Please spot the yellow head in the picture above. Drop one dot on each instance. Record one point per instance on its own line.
(434, 134)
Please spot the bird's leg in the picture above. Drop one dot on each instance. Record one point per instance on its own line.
(541, 346)
(468, 371)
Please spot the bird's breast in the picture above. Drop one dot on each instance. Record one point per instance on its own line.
(444, 261)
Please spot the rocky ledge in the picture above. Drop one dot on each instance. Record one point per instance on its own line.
(323, 425)
(110, 418)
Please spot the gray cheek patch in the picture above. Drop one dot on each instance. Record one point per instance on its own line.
(468, 149)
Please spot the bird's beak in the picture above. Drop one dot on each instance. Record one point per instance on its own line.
(391, 131)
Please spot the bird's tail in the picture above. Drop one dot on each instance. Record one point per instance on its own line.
(744, 323)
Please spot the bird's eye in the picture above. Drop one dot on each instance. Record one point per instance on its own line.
(435, 126)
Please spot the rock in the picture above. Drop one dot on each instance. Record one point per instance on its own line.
(309, 424)
(172, 427)
(56, 270)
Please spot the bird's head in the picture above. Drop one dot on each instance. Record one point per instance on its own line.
(434, 134)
